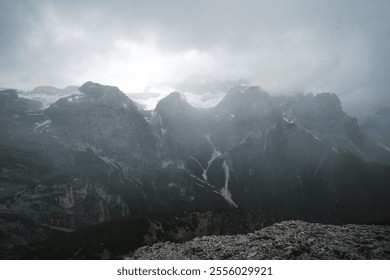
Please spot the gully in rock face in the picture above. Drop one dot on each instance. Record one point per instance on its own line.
(93, 156)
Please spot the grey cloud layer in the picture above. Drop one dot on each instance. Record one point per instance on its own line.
(283, 46)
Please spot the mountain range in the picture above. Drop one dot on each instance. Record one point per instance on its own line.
(93, 156)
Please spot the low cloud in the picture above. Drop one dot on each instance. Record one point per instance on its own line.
(201, 47)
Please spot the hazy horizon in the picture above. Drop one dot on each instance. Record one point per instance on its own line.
(202, 47)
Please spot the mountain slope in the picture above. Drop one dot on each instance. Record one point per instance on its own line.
(118, 237)
(93, 156)
(289, 240)
(378, 127)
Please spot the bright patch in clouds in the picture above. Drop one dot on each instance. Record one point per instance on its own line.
(201, 47)
(135, 67)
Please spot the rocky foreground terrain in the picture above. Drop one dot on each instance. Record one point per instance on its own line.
(285, 240)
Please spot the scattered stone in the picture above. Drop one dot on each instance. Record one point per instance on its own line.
(285, 240)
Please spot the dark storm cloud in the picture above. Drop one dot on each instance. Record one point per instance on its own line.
(283, 46)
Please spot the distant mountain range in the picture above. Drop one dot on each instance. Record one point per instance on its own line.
(93, 155)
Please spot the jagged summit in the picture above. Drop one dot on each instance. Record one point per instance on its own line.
(94, 94)
(245, 94)
(104, 117)
(247, 101)
(174, 105)
(172, 99)
(98, 90)
(179, 124)
(327, 105)
(321, 112)
(174, 96)
(93, 155)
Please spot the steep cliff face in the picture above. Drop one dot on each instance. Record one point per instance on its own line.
(94, 156)
(75, 163)
(72, 204)
(113, 239)
(106, 120)
(190, 225)
(300, 157)
(88, 158)
(286, 240)
(178, 125)
(245, 112)
(323, 117)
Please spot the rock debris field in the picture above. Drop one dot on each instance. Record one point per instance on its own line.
(285, 240)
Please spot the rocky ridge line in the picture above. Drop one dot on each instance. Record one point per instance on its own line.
(285, 240)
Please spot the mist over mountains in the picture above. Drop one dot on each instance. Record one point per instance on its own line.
(198, 47)
(91, 155)
(124, 124)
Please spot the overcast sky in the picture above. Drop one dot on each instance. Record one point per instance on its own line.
(201, 46)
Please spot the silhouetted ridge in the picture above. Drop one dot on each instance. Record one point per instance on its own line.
(327, 105)
(95, 89)
(173, 105)
(240, 97)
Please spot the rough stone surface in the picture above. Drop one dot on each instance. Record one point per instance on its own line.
(285, 240)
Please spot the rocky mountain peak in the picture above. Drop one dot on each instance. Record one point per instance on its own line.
(93, 94)
(96, 90)
(174, 105)
(327, 105)
(248, 102)
(104, 106)
(246, 94)
(174, 96)
(240, 96)
(92, 156)
(172, 100)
